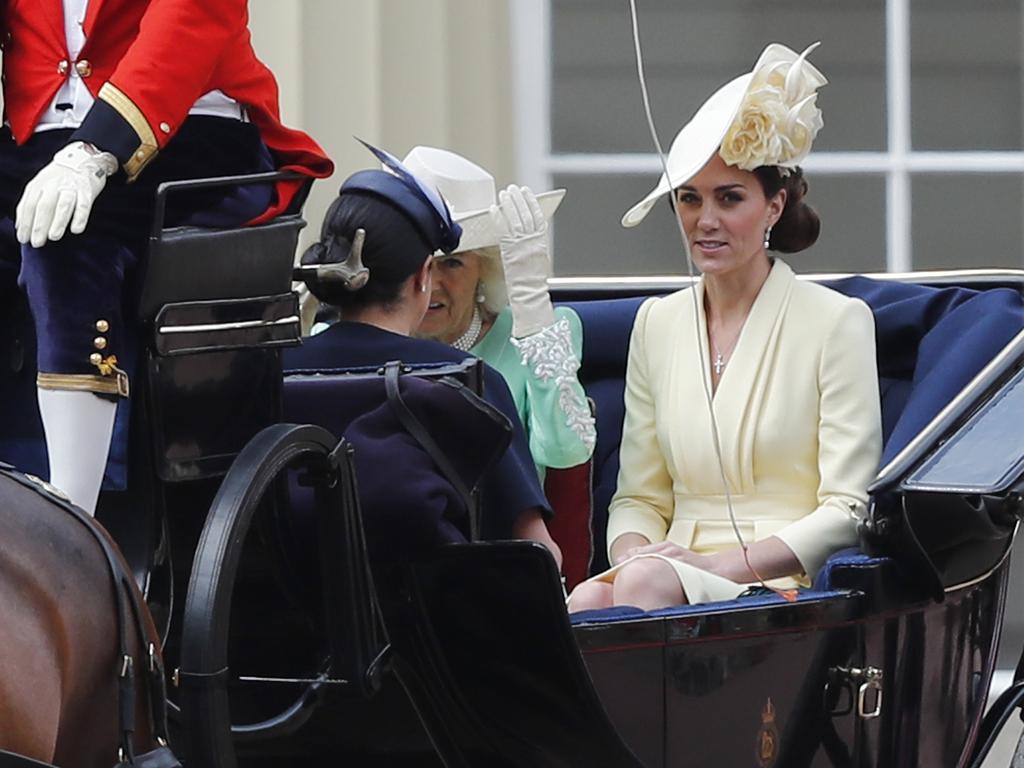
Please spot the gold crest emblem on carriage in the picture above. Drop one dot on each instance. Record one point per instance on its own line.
(767, 737)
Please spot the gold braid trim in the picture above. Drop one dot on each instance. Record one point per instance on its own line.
(84, 382)
(126, 108)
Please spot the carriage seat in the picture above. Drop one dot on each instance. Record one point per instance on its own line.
(931, 341)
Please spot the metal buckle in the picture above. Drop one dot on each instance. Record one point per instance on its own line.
(872, 682)
(867, 680)
(122, 382)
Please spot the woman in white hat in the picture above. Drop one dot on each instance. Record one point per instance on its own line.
(491, 298)
(373, 263)
(786, 367)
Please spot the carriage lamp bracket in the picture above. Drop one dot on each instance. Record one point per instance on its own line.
(868, 682)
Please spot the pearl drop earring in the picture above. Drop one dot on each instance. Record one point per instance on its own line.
(767, 237)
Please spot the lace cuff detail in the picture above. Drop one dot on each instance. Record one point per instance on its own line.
(549, 354)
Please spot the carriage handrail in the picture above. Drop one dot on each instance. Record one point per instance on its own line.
(167, 187)
(954, 411)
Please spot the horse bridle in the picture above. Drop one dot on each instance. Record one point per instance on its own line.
(129, 610)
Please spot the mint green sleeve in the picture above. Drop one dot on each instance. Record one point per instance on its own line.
(557, 416)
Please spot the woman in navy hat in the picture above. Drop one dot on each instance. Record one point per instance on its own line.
(376, 243)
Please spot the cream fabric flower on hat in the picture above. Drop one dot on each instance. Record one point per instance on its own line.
(779, 117)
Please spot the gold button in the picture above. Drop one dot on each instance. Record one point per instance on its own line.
(165, 127)
(102, 326)
(62, 67)
(99, 342)
(140, 154)
(83, 68)
(95, 358)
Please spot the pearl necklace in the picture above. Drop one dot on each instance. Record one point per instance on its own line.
(466, 341)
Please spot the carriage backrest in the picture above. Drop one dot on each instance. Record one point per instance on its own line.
(931, 341)
(332, 397)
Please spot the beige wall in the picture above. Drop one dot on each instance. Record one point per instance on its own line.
(394, 72)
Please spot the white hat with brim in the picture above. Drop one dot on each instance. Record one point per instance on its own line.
(695, 144)
(701, 138)
(469, 192)
(478, 230)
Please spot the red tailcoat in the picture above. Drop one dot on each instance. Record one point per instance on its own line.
(150, 60)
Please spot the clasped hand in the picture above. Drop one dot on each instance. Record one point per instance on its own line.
(668, 549)
(63, 192)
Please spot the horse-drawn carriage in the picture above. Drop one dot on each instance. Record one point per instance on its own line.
(241, 521)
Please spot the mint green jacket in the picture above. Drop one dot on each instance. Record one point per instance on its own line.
(541, 372)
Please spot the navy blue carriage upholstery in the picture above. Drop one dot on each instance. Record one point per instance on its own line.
(931, 342)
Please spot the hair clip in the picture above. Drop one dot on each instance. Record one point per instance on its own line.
(351, 272)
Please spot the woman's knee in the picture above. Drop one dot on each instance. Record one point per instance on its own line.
(648, 583)
(590, 595)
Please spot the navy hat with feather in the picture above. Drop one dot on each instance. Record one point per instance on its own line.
(422, 204)
(383, 241)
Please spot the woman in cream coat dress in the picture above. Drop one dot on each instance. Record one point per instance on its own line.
(789, 365)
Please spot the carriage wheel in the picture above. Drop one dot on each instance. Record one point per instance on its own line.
(208, 699)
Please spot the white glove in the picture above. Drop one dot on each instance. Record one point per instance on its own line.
(524, 256)
(63, 192)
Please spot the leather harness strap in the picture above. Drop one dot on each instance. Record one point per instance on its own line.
(412, 425)
(128, 609)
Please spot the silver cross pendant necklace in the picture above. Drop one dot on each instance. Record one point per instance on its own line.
(719, 363)
(722, 360)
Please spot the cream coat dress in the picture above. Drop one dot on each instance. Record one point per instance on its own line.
(798, 416)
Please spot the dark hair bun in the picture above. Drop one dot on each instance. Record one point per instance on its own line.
(393, 249)
(799, 226)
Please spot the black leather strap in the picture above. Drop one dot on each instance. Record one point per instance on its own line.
(412, 425)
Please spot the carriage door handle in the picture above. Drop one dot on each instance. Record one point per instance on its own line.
(869, 689)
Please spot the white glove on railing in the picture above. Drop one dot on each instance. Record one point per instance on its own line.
(524, 256)
(63, 192)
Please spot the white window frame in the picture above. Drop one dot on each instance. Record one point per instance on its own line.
(530, 29)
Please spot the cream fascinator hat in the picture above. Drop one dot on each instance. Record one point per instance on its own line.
(469, 191)
(768, 116)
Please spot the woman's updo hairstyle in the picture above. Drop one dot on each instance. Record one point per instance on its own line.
(393, 248)
(377, 233)
(799, 226)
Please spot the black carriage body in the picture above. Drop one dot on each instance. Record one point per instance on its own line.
(887, 663)
(836, 681)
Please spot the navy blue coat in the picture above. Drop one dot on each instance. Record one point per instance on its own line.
(511, 487)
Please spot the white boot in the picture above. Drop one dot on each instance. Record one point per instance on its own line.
(78, 428)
